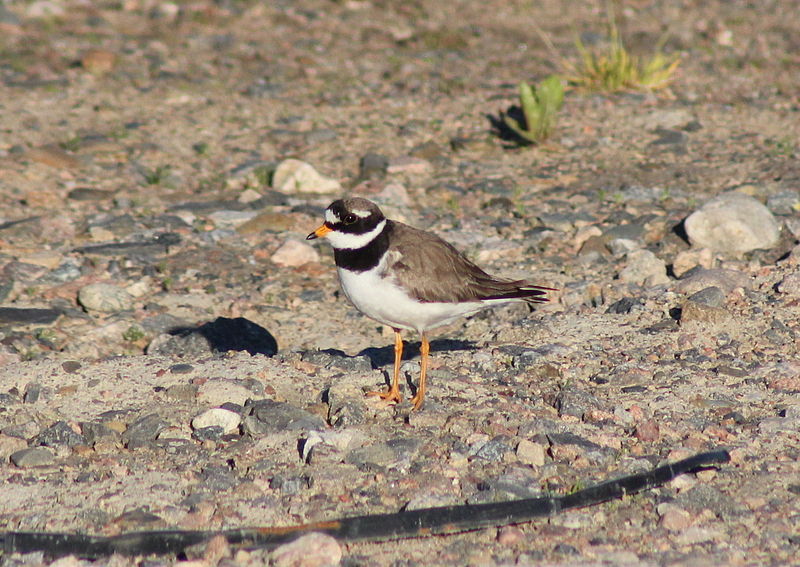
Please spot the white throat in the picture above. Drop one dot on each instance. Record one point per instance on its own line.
(345, 241)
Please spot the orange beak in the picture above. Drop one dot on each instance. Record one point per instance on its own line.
(320, 232)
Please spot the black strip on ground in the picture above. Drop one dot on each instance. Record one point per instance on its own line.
(415, 523)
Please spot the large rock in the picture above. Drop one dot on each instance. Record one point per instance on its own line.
(295, 176)
(732, 223)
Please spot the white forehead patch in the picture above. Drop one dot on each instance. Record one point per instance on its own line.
(361, 214)
(331, 217)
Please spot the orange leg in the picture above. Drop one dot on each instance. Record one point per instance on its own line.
(393, 394)
(424, 349)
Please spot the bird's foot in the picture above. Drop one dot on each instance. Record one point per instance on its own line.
(416, 401)
(391, 395)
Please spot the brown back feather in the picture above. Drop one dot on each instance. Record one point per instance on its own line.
(449, 276)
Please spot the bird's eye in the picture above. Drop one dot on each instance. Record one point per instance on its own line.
(349, 219)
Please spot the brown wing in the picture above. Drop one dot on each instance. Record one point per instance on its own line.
(434, 271)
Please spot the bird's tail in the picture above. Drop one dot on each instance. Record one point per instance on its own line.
(521, 290)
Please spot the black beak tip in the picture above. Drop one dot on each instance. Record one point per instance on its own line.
(311, 236)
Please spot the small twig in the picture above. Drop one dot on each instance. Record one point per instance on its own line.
(414, 523)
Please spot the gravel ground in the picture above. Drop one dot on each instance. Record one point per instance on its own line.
(153, 267)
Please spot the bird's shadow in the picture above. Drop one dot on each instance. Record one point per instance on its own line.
(383, 356)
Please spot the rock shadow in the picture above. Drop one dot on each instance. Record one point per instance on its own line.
(220, 335)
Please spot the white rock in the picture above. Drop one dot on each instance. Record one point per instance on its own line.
(732, 223)
(229, 421)
(293, 253)
(106, 298)
(644, 267)
(295, 176)
(311, 550)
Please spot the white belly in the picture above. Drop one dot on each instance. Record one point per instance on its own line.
(380, 299)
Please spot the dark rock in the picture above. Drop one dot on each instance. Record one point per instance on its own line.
(143, 431)
(33, 390)
(346, 412)
(93, 432)
(156, 245)
(89, 194)
(6, 285)
(218, 478)
(575, 402)
(669, 137)
(625, 305)
(181, 368)
(567, 438)
(211, 433)
(268, 416)
(290, 485)
(710, 296)
(628, 231)
(28, 316)
(59, 434)
(70, 366)
(494, 449)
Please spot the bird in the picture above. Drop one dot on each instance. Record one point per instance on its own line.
(409, 279)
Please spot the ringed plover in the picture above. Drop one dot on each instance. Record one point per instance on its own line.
(409, 279)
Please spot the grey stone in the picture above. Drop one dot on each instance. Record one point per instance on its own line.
(495, 449)
(575, 402)
(784, 202)
(732, 223)
(33, 457)
(711, 296)
(143, 431)
(383, 455)
(268, 417)
(698, 279)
